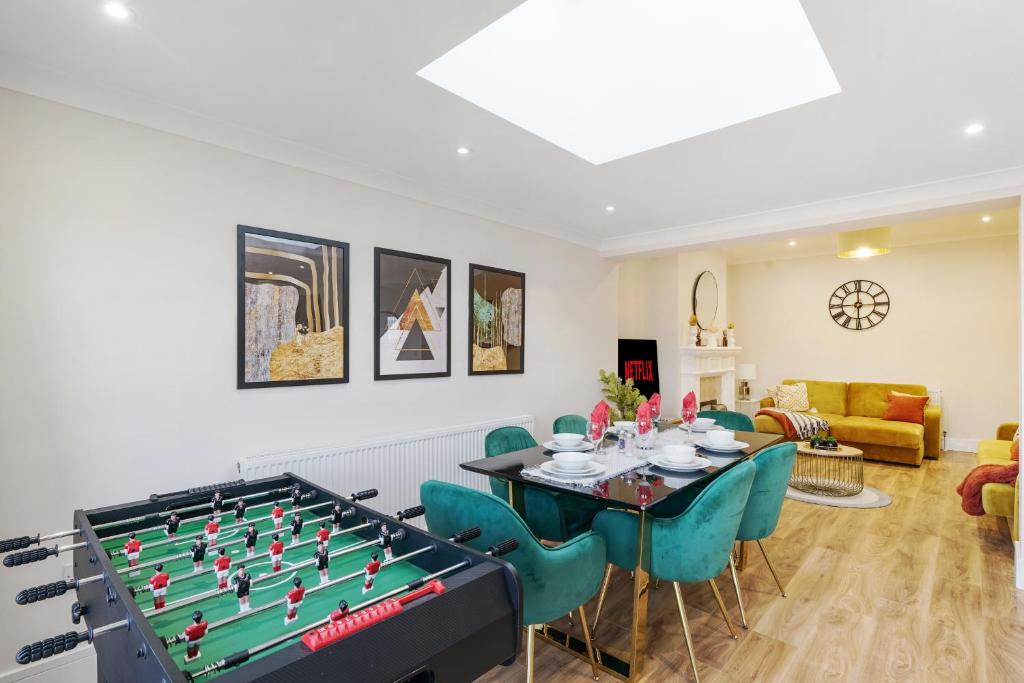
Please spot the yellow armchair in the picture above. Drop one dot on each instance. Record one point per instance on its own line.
(1000, 500)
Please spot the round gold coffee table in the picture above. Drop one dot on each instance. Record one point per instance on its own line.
(826, 472)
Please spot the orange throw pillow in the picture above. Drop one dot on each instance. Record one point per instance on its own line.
(905, 408)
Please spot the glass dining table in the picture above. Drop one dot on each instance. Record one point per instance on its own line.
(645, 490)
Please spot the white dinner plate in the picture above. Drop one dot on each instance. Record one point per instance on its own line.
(553, 446)
(709, 429)
(698, 464)
(594, 469)
(731, 448)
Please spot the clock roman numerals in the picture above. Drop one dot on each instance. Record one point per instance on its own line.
(859, 304)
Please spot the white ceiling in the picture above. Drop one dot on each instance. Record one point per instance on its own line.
(332, 86)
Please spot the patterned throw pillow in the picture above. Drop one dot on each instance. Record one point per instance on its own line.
(790, 397)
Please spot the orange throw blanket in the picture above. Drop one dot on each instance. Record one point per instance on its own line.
(970, 488)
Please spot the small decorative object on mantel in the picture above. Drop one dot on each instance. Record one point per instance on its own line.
(711, 338)
(824, 443)
(693, 332)
(622, 395)
(730, 335)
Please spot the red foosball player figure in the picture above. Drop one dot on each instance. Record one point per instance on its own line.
(217, 503)
(278, 514)
(292, 601)
(159, 583)
(251, 534)
(132, 549)
(370, 572)
(239, 511)
(222, 565)
(341, 612)
(296, 527)
(296, 496)
(323, 535)
(337, 514)
(242, 581)
(385, 542)
(193, 633)
(323, 559)
(212, 528)
(276, 549)
(172, 524)
(198, 550)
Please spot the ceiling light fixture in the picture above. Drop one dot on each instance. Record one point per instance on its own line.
(974, 128)
(463, 151)
(609, 208)
(116, 10)
(865, 243)
(792, 243)
(986, 219)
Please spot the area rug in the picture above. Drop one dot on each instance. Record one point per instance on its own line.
(868, 498)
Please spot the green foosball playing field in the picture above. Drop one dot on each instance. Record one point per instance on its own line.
(256, 627)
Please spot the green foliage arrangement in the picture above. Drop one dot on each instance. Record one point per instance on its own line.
(622, 396)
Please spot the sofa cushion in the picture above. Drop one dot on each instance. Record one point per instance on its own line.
(790, 397)
(827, 397)
(769, 425)
(868, 399)
(997, 499)
(874, 430)
(905, 408)
(993, 452)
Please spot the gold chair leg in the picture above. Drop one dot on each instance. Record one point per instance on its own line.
(600, 596)
(530, 638)
(771, 569)
(721, 606)
(741, 563)
(686, 631)
(587, 640)
(569, 617)
(739, 596)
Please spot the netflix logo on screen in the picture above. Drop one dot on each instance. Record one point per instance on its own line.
(638, 361)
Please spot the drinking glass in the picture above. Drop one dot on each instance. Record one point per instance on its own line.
(595, 432)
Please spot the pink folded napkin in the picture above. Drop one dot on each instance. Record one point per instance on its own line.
(599, 419)
(644, 423)
(655, 401)
(689, 407)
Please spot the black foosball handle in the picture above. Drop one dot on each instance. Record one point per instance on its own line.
(410, 513)
(466, 535)
(364, 495)
(41, 649)
(35, 555)
(503, 548)
(37, 593)
(9, 544)
(154, 497)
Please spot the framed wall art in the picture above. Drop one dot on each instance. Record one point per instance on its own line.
(411, 303)
(292, 309)
(497, 320)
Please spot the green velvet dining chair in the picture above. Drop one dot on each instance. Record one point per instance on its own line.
(551, 516)
(569, 424)
(555, 581)
(773, 467)
(692, 547)
(729, 419)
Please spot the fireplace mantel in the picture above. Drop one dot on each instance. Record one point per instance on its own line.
(698, 362)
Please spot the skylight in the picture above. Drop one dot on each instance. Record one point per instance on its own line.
(605, 79)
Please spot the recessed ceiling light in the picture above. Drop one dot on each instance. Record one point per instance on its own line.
(974, 128)
(792, 243)
(986, 219)
(593, 69)
(609, 208)
(117, 10)
(463, 150)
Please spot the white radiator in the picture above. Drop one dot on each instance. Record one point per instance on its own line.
(394, 466)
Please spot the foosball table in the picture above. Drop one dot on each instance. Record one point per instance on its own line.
(275, 580)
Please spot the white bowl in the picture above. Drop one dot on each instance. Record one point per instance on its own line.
(704, 423)
(571, 461)
(721, 437)
(680, 454)
(568, 440)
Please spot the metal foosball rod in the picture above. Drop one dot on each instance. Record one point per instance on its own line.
(243, 656)
(190, 508)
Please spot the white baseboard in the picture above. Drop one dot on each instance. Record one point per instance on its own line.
(961, 444)
(70, 667)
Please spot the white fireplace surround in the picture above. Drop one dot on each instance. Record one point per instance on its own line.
(698, 362)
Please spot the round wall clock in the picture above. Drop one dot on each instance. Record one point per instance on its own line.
(859, 304)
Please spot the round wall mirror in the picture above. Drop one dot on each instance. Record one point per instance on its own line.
(705, 299)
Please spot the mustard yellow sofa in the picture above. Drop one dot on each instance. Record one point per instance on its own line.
(1000, 499)
(854, 414)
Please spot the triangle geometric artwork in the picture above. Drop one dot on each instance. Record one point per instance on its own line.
(415, 346)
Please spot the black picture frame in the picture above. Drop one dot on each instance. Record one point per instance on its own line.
(473, 268)
(378, 252)
(343, 296)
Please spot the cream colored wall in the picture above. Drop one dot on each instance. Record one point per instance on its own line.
(117, 377)
(953, 325)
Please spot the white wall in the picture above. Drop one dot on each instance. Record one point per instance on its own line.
(953, 325)
(118, 311)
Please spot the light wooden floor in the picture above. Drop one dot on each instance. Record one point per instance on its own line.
(917, 591)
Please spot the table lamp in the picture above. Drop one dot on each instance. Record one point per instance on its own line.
(745, 372)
